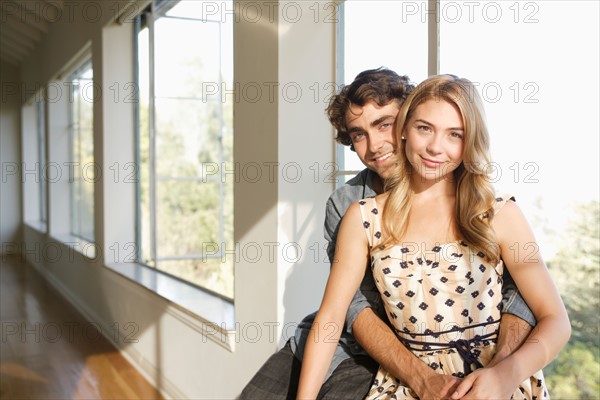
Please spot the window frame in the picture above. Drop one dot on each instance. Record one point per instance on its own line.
(433, 28)
(76, 179)
(42, 162)
(158, 9)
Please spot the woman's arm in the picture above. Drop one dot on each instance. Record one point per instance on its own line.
(347, 271)
(521, 256)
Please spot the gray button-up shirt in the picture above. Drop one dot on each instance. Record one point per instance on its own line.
(357, 188)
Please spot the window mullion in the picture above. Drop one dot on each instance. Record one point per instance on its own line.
(137, 133)
(340, 77)
(221, 160)
(40, 159)
(79, 153)
(152, 140)
(72, 154)
(433, 38)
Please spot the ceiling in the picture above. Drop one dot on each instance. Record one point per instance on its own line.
(22, 25)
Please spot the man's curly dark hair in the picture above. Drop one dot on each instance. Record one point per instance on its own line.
(380, 85)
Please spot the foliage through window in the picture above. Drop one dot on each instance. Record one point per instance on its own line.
(185, 144)
(508, 49)
(82, 173)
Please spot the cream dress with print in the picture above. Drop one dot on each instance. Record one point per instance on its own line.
(444, 304)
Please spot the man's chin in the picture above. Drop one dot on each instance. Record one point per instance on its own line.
(384, 170)
(384, 173)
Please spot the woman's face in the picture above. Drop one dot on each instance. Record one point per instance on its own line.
(434, 140)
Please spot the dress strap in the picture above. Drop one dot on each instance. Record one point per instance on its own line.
(501, 201)
(371, 220)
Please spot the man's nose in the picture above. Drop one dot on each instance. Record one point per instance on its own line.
(375, 142)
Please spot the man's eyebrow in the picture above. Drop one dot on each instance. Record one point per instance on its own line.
(381, 119)
(354, 129)
(430, 124)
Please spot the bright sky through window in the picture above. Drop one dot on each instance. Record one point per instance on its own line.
(536, 66)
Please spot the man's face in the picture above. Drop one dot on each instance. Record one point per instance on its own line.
(371, 129)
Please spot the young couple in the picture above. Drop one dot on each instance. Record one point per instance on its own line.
(423, 245)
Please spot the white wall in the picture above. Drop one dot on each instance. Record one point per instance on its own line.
(10, 159)
(274, 213)
(306, 145)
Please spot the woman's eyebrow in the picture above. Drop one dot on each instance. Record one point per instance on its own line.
(458, 128)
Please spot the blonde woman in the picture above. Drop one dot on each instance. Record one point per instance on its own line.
(436, 243)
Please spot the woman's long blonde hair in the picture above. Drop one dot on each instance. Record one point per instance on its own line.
(474, 193)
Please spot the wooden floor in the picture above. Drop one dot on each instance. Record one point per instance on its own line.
(49, 351)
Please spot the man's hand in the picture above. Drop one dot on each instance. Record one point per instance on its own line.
(513, 333)
(383, 346)
(437, 386)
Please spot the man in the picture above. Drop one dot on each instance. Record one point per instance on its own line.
(363, 114)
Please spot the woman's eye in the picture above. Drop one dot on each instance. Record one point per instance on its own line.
(424, 128)
(456, 135)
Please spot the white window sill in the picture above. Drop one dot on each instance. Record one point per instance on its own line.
(209, 314)
(39, 226)
(82, 246)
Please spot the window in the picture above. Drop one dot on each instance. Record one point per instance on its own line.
(35, 171)
(540, 110)
(540, 95)
(81, 180)
(185, 144)
(41, 154)
(371, 39)
(520, 95)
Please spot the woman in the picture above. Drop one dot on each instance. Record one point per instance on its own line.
(437, 242)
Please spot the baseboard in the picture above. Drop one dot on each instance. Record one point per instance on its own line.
(148, 370)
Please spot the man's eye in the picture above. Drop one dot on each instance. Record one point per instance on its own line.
(357, 137)
(386, 125)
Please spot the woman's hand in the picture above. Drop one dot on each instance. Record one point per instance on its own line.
(486, 383)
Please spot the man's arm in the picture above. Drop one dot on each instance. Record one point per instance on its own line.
(376, 337)
(513, 333)
(516, 322)
(380, 342)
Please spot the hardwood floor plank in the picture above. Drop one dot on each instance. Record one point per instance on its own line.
(44, 353)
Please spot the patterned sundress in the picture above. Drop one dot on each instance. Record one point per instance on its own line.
(444, 304)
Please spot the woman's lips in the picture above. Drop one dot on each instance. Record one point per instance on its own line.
(431, 163)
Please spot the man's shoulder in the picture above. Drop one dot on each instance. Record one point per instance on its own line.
(352, 191)
(359, 179)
